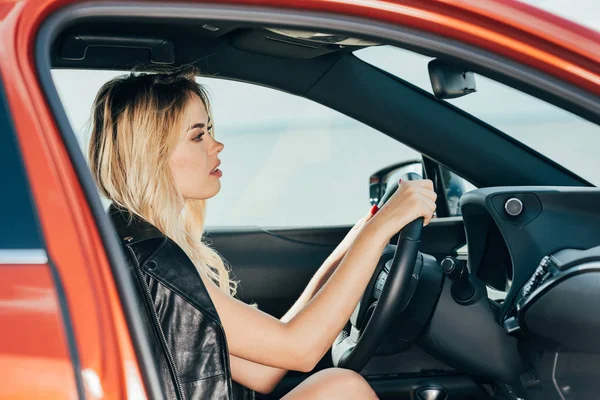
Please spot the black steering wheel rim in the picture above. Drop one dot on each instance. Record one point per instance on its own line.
(355, 350)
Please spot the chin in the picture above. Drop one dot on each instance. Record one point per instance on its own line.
(205, 195)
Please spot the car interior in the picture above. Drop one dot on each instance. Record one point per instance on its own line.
(426, 327)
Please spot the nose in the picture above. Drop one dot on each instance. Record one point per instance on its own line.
(217, 146)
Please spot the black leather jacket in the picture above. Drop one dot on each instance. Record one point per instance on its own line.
(186, 336)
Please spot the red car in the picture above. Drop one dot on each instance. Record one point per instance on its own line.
(499, 302)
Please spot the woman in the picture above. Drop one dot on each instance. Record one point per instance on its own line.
(154, 155)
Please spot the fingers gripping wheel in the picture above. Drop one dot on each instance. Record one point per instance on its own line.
(393, 186)
(355, 350)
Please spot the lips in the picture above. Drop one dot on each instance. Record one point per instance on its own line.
(216, 167)
(216, 171)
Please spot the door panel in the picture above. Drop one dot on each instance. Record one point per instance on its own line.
(275, 265)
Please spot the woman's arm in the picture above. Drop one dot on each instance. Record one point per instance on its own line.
(257, 377)
(302, 341)
(262, 378)
(327, 268)
(299, 343)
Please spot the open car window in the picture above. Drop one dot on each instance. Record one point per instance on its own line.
(563, 137)
(287, 161)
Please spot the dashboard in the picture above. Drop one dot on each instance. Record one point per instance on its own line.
(538, 245)
(542, 246)
(494, 266)
(505, 246)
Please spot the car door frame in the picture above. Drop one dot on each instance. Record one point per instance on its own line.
(430, 26)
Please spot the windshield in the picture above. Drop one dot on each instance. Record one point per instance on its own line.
(565, 138)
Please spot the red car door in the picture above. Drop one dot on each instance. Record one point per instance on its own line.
(64, 328)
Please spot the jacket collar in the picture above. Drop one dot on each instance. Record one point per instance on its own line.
(172, 267)
(130, 228)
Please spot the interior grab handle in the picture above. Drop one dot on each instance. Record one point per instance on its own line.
(162, 51)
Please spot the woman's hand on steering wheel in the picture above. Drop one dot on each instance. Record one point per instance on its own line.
(412, 200)
(405, 209)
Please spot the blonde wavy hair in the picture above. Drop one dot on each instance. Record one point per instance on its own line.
(137, 120)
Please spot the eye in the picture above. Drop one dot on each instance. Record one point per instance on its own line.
(210, 131)
(198, 137)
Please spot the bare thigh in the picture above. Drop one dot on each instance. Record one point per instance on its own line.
(331, 384)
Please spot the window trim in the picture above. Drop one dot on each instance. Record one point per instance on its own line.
(23, 256)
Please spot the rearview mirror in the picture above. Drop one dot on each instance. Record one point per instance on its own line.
(449, 80)
(379, 180)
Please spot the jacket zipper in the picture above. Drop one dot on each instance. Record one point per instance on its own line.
(172, 365)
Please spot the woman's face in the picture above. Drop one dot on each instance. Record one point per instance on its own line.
(194, 163)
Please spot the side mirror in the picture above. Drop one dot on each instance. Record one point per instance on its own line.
(449, 80)
(379, 180)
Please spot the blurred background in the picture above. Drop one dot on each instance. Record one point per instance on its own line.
(291, 162)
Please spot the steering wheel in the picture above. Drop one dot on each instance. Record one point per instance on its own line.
(353, 349)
